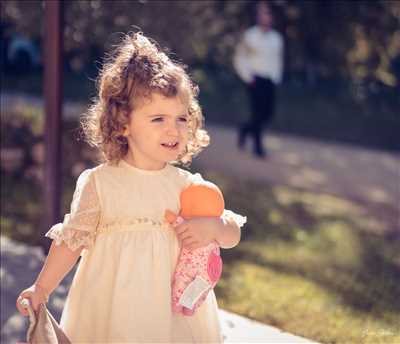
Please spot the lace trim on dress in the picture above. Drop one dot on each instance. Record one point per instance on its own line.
(79, 226)
(137, 221)
(73, 238)
(230, 215)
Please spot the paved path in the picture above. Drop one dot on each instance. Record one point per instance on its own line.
(364, 175)
(21, 263)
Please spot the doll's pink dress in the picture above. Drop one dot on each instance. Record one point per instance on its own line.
(121, 291)
(196, 274)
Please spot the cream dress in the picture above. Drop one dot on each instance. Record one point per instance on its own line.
(121, 291)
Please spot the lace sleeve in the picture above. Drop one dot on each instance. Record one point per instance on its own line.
(79, 226)
(190, 179)
(230, 215)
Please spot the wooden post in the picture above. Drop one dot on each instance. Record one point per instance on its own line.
(53, 70)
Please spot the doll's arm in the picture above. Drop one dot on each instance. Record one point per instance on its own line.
(228, 232)
(172, 218)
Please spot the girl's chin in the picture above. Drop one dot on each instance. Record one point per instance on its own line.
(172, 157)
(172, 153)
(169, 158)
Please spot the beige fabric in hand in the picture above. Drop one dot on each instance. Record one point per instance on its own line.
(43, 328)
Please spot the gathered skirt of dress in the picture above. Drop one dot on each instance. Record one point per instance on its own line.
(121, 293)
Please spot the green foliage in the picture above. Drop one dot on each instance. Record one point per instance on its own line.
(358, 40)
(22, 176)
(21, 208)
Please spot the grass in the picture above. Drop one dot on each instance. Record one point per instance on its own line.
(309, 264)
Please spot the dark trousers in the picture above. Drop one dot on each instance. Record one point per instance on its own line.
(262, 102)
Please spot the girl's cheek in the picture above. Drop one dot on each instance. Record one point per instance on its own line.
(183, 125)
(186, 136)
(184, 129)
(184, 140)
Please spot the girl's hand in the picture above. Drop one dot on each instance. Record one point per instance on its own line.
(197, 232)
(36, 295)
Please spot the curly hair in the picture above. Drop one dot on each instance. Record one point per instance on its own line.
(136, 69)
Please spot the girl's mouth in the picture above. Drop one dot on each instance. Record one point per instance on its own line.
(170, 145)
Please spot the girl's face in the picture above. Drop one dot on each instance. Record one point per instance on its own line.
(157, 132)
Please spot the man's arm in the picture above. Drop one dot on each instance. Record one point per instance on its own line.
(281, 57)
(240, 60)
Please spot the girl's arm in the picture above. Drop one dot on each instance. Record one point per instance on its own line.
(58, 263)
(70, 237)
(201, 231)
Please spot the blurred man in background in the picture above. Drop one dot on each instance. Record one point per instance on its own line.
(258, 61)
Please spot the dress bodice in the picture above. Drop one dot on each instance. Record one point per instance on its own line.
(114, 198)
(130, 196)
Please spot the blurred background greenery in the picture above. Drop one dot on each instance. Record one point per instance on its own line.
(342, 59)
(326, 268)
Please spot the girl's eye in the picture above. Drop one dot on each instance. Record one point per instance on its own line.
(182, 119)
(158, 119)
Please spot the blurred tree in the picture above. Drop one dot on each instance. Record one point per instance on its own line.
(354, 40)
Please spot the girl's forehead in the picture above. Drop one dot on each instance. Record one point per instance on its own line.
(157, 103)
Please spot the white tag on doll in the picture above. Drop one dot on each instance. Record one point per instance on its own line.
(193, 292)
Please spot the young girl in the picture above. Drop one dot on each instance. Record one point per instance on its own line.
(145, 120)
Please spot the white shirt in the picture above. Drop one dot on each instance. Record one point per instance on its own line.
(259, 53)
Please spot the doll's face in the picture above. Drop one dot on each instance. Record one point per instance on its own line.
(203, 199)
(157, 132)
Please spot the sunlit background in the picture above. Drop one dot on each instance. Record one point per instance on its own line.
(319, 256)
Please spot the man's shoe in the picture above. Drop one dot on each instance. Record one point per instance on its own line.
(260, 153)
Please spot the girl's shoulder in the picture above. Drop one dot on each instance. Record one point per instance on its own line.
(86, 174)
(92, 174)
(175, 174)
(189, 177)
(104, 169)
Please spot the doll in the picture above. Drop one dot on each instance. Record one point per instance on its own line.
(197, 271)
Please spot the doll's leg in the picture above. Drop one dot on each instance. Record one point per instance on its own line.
(196, 273)
(191, 278)
(183, 275)
(210, 270)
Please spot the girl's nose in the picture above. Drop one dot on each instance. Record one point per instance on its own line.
(173, 129)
